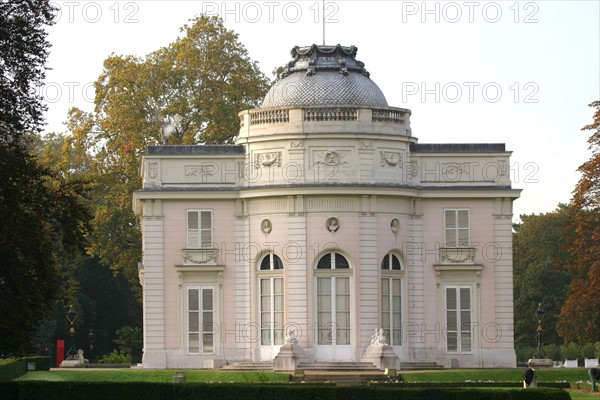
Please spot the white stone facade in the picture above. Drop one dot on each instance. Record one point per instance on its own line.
(331, 220)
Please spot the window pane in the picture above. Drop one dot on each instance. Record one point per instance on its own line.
(279, 337)
(192, 221)
(278, 282)
(341, 262)
(206, 238)
(265, 264)
(324, 262)
(342, 286)
(395, 263)
(385, 286)
(451, 298)
(465, 299)
(265, 287)
(385, 303)
(207, 343)
(277, 263)
(194, 343)
(385, 264)
(463, 237)
(193, 237)
(450, 216)
(396, 286)
(265, 336)
(193, 321)
(207, 299)
(193, 299)
(342, 336)
(452, 341)
(207, 322)
(463, 218)
(205, 220)
(396, 337)
(451, 320)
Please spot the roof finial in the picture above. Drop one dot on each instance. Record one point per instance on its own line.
(323, 17)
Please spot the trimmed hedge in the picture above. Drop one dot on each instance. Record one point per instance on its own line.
(34, 390)
(14, 368)
(556, 385)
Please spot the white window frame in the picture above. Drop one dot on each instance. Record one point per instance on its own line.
(393, 314)
(333, 274)
(205, 329)
(457, 329)
(275, 327)
(457, 229)
(198, 232)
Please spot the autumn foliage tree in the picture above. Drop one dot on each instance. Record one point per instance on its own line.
(579, 318)
(188, 92)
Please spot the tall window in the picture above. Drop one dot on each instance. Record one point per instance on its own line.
(457, 227)
(199, 229)
(458, 319)
(200, 320)
(391, 299)
(333, 302)
(271, 301)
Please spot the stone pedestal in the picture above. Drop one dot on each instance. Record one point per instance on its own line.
(382, 355)
(540, 363)
(288, 358)
(77, 362)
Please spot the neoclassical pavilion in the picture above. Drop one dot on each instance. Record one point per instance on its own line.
(327, 220)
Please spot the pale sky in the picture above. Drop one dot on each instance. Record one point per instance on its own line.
(514, 72)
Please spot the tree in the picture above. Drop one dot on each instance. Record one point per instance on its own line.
(539, 275)
(23, 54)
(189, 92)
(42, 214)
(579, 318)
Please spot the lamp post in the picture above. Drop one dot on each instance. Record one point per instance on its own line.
(91, 338)
(71, 317)
(539, 316)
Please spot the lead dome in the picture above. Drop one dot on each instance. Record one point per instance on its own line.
(324, 75)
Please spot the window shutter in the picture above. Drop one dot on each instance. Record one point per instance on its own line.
(192, 229)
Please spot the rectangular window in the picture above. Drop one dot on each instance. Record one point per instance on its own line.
(391, 306)
(199, 229)
(200, 320)
(333, 310)
(271, 311)
(458, 319)
(456, 227)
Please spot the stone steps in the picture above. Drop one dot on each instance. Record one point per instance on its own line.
(337, 366)
(419, 366)
(249, 366)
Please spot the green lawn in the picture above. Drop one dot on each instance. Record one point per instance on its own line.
(125, 375)
(576, 377)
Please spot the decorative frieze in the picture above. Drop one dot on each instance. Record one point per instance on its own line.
(200, 256)
(271, 159)
(391, 159)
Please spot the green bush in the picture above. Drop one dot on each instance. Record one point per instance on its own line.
(552, 352)
(15, 367)
(11, 369)
(597, 345)
(30, 390)
(588, 350)
(116, 357)
(524, 353)
(570, 351)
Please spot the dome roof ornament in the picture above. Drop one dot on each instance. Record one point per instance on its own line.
(324, 75)
(314, 58)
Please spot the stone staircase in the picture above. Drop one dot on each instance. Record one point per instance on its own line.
(249, 366)
(419, 366)
(339, 373)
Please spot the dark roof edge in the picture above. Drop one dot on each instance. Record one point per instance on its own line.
(196, 149)
(458, 147)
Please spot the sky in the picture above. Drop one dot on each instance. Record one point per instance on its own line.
(515, 72)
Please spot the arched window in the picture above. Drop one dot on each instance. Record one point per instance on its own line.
(271, 261)
(333, 261)
(391, 262)
(391, 298)
(333, 300)
(271, 301)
